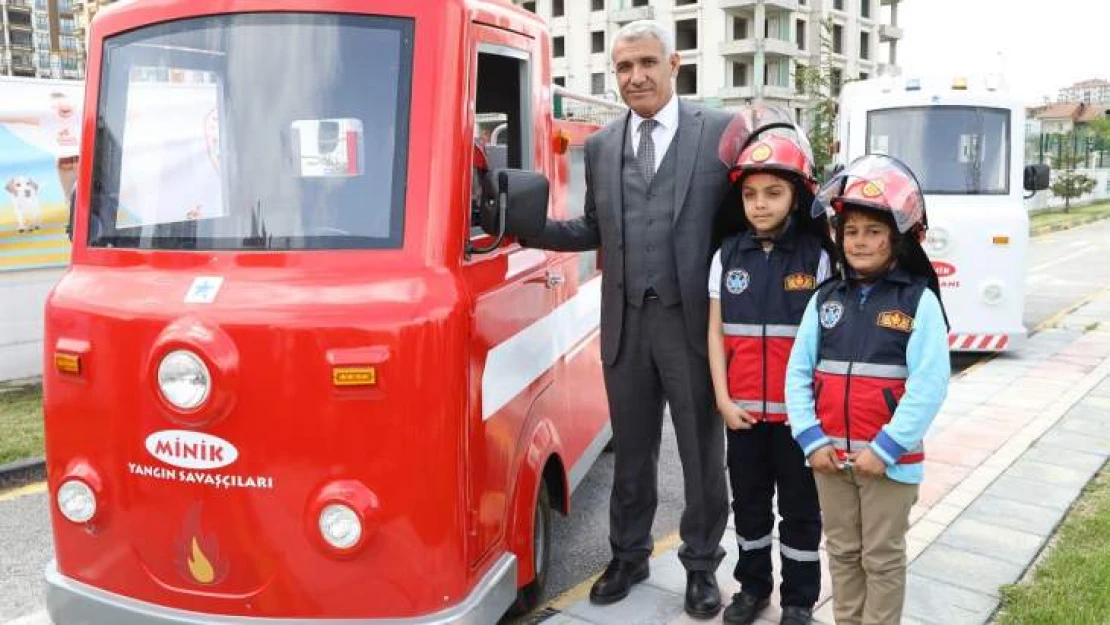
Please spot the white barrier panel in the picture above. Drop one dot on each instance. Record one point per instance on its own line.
(1046, 199)
(40, 123)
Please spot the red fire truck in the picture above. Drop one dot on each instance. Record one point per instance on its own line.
(288, 374)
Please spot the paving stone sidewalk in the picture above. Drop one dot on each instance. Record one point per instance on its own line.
(1017, 440)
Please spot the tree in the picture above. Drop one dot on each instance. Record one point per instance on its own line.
(1070, 183)
(1100, 130)
(821, 86)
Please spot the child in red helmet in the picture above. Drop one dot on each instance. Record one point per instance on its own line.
(760, 281)
(868, 373)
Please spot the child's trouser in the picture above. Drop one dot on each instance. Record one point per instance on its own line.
(760, 459)
(865, 520)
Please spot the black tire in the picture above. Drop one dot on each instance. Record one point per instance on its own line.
(528, 597)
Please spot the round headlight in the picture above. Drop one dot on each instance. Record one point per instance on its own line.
(183, 379)
(936, 240)
(340, 526)
(992, 292)
(76, 501)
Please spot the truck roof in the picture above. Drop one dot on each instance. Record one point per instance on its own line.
(476, 8)
(503, 14)
(937, 89)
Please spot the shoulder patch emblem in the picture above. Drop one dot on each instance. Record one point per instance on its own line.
(895, 320)
(737, 281)
(799, 282)
(830, 314)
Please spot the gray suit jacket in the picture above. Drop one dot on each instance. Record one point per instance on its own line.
(700, 186)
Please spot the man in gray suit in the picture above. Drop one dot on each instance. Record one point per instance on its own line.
(653, 186)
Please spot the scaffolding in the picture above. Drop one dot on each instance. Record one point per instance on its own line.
(577, 107)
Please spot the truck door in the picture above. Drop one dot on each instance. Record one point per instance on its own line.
(513, 290)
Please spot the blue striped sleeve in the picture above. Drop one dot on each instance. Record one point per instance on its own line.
(926, 385)
(799, 384)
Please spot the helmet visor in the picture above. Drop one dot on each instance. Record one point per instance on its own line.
(754, 122)
(878, 182)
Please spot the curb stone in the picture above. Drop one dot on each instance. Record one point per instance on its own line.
(1067, 225)
(22, 472)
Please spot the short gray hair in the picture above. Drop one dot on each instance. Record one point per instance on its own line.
(645, 28)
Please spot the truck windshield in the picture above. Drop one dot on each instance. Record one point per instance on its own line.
(956, 150)
(271, 131)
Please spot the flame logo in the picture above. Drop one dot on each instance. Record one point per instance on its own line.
(198, 552)
(199, 566)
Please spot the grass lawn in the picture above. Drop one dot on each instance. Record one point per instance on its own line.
(1057, 215)
(20, 423)
(1072, 583)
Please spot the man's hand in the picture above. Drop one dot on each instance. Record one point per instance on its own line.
(736, 418)
(823, 460)
(867, 463)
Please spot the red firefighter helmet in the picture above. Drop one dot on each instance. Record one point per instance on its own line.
(765, 138)
(876, 182)
(775, 153)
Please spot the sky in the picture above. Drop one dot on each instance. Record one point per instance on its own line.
(1040, 46)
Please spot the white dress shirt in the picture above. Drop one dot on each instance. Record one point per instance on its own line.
(663, 132)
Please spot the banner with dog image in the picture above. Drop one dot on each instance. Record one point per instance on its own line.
(39, 142)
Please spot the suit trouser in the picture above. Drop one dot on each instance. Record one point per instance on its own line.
(866, 520)
(759, 460)
(657, 364)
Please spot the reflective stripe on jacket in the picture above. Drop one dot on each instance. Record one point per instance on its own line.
(763, 297)
(861, 370)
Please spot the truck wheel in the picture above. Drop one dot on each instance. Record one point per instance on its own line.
(528, 597)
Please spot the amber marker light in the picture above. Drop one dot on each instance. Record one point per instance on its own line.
(354, 376)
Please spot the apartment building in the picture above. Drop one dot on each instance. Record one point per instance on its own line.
(1095, 91)
(84, 12)
(733, 51)
(38, 38)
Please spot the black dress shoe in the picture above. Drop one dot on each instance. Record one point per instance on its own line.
(744, 608)
(796, 615)
(617, 580)
(703, 598)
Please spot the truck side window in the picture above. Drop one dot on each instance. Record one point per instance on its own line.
(503, 116)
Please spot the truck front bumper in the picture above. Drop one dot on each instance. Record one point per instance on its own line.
(70, 602)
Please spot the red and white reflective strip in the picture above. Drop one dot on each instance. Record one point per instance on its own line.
(978, 342)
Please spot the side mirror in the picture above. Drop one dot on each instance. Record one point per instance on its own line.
(1036, 177)
(514, 202)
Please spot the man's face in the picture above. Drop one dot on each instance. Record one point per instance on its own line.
(643, 74)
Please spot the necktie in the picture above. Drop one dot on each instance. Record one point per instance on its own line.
(645, 153)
